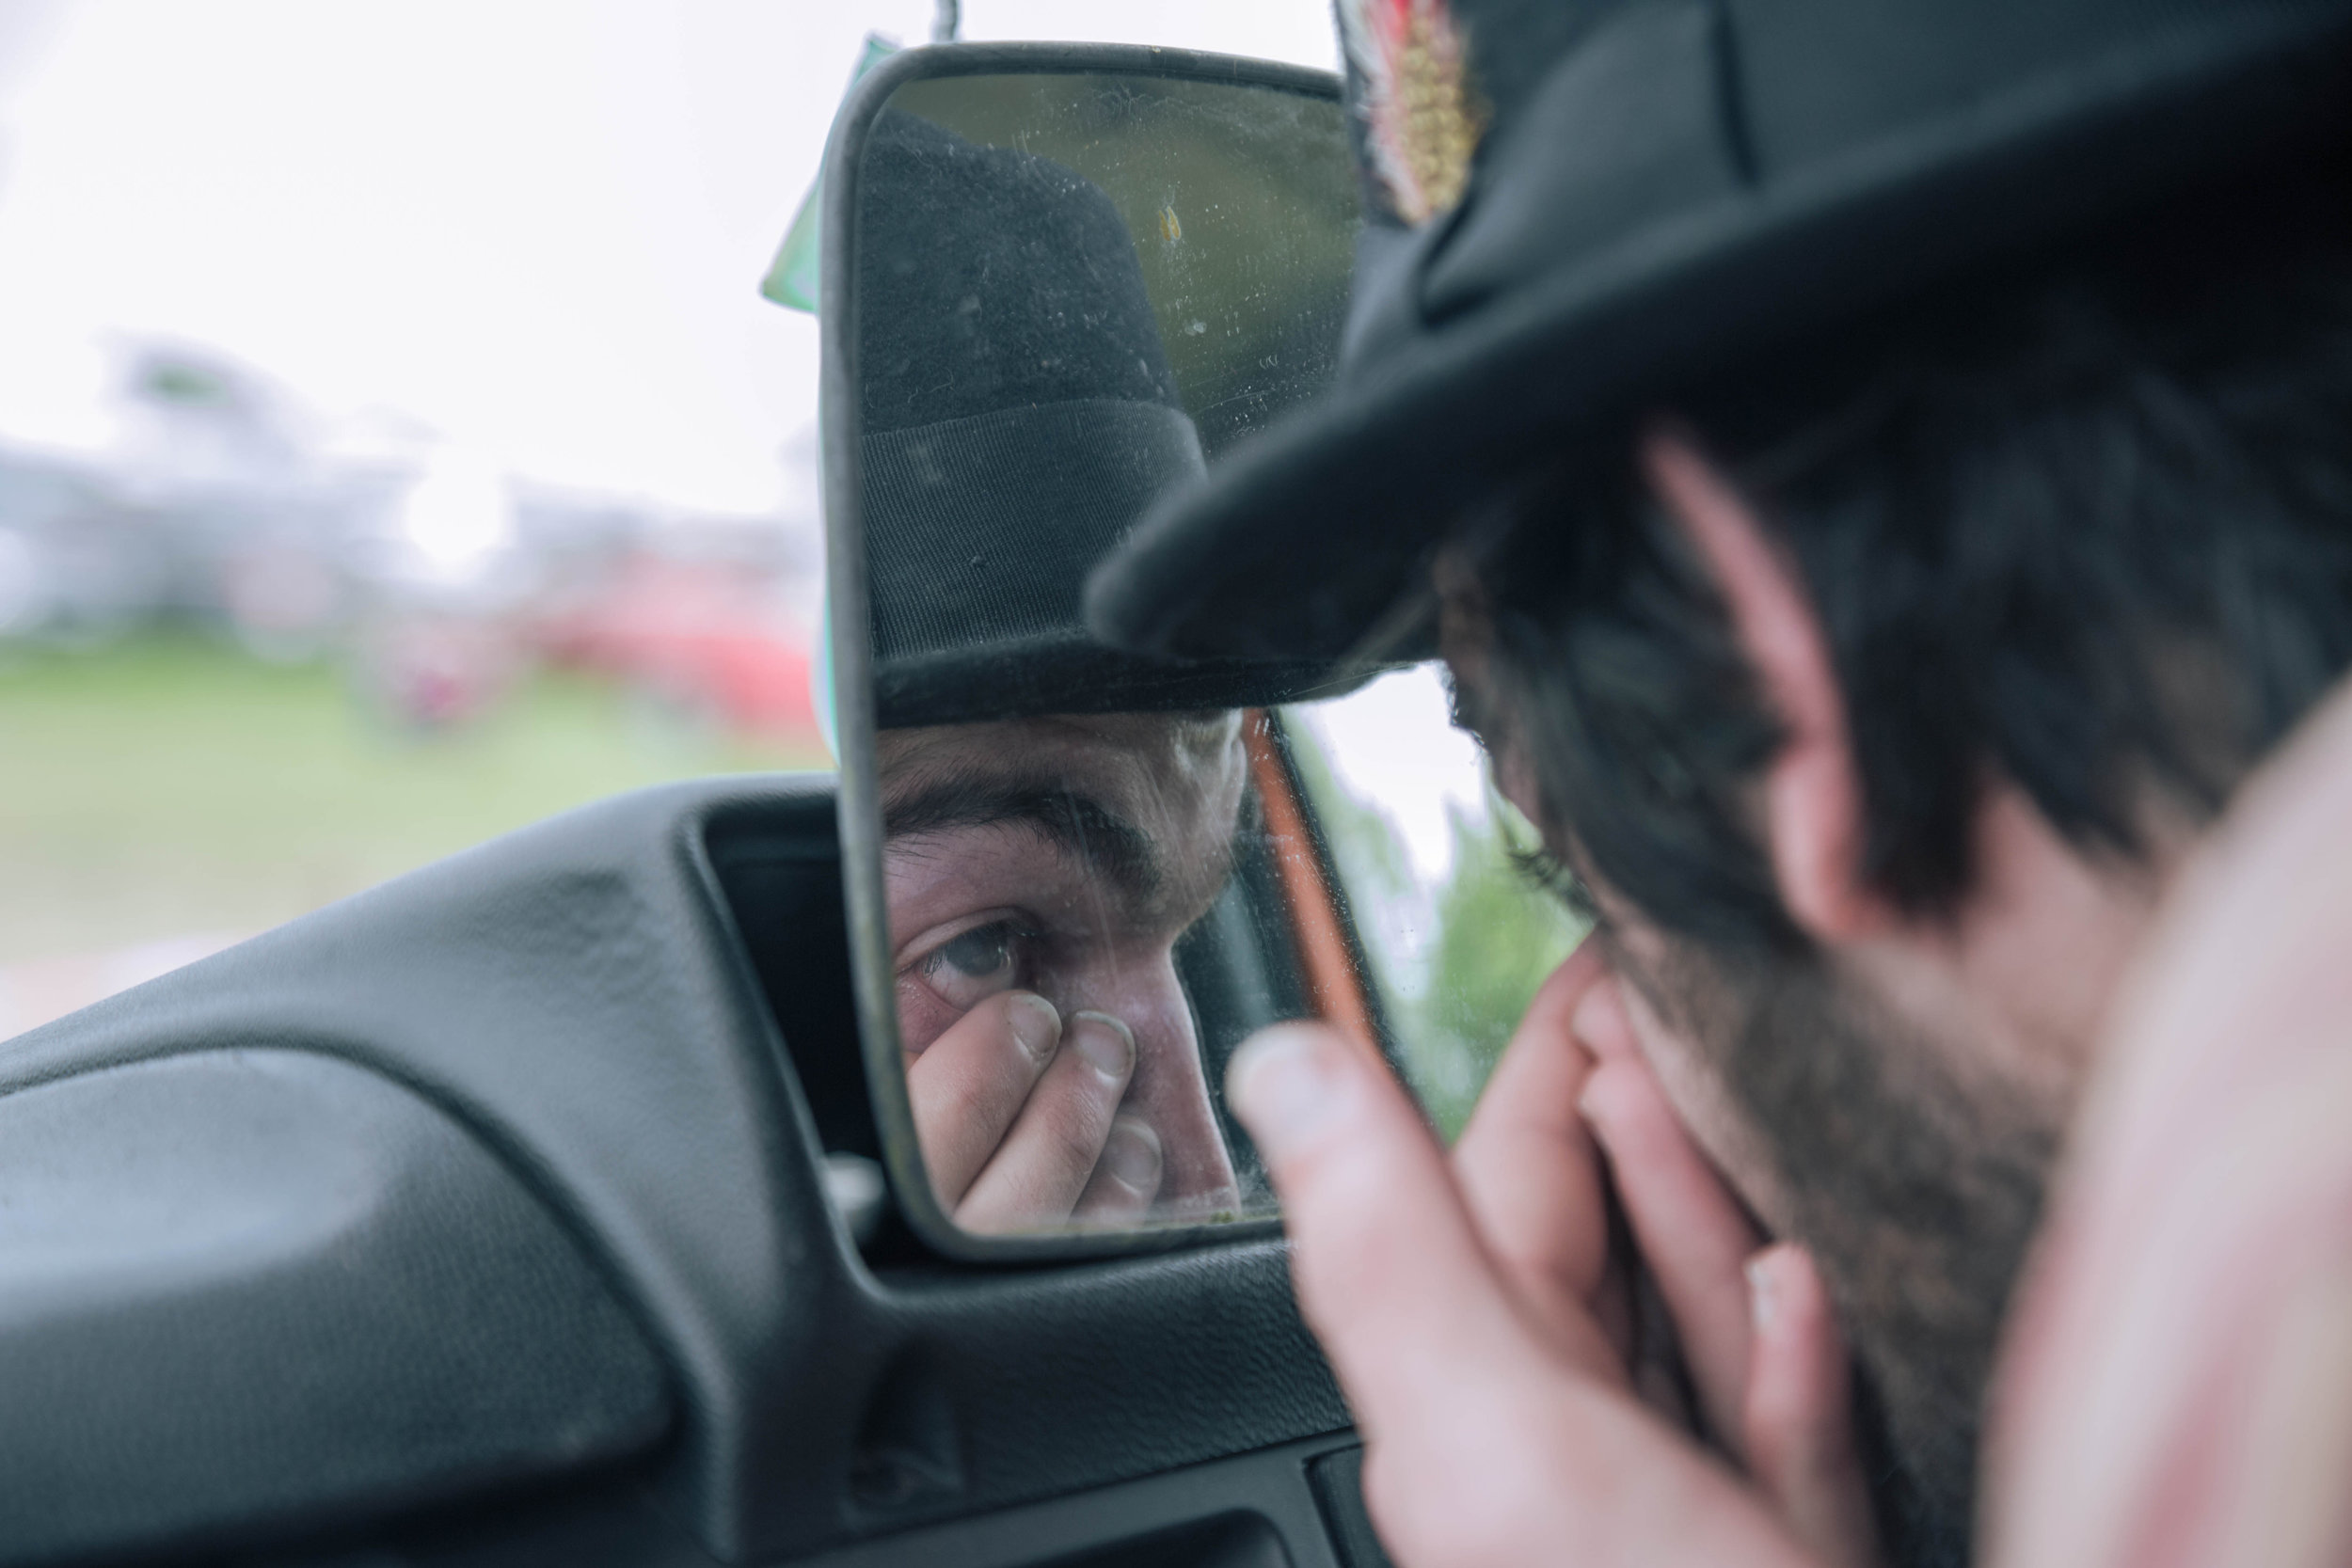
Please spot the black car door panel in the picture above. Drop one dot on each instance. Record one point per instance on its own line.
(537, 1262)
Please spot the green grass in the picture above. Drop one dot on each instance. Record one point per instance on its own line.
(171, 785)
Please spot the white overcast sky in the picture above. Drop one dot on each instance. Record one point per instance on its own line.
(538, 226)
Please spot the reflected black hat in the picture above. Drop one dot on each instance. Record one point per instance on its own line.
(1579, 204)
(1017, 415)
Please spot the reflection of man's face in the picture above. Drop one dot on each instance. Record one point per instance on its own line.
(1065, 855)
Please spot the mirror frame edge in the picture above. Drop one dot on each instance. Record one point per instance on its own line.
(859, 795)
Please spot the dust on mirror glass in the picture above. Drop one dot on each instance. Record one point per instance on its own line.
(1104, 873)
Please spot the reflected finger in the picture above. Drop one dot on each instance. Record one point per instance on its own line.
(1127, 1177)
(1050, 1153)
(969, 1085)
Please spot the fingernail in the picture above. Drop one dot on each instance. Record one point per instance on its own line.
(1036, 1026)
(1132, 1154)
(1761, 1305)
(1283, 1088)
(1108, 1045)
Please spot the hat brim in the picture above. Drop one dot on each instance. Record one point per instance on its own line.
(1303, 544)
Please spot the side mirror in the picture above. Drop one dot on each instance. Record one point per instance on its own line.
(1058, 282)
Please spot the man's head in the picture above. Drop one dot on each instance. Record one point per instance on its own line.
(1064, 856)
(1896, 464)
(1873, 697)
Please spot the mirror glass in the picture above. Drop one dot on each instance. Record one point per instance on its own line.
(1071, 291)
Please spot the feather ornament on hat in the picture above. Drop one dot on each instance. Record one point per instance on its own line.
(1422, 116)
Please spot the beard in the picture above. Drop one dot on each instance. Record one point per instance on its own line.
(1916, 1188)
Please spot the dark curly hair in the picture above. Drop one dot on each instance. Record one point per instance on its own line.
(2086, 525)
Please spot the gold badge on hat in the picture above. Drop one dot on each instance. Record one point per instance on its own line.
(1422, 116)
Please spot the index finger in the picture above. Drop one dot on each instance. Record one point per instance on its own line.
(1691, 1231)
(969, 1085)
(1528, 1168)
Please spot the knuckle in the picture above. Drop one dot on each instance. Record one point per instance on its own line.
(1573, 1263)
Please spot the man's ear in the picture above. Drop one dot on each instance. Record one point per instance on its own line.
(1812, 790)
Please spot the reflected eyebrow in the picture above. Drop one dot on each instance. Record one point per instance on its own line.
(1085, 828)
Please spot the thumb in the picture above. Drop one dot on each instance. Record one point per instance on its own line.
(1389, 1271)
(1449, 1388)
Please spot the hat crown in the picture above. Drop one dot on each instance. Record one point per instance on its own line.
(1017, 412)
(1608, 126)
(1665, 189)
(1798, 79)
(989, 278)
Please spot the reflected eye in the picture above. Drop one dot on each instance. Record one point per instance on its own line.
(974, 965)
(977, 955)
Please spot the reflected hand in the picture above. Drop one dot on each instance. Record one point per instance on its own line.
(1477, 1321)
(1018, 1119)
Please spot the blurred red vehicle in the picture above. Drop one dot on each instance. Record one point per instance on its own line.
(702, 638)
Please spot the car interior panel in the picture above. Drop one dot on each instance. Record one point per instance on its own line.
(606, 1194)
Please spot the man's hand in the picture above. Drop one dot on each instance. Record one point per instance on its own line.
(1018, 1117)
(1479, 1326)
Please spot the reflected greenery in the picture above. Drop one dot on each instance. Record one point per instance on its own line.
(1497, 937)
(1455, 964)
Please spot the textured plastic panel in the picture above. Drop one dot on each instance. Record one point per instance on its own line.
(242, 1287)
